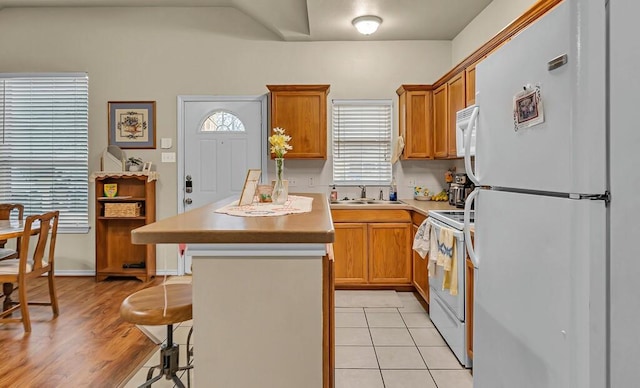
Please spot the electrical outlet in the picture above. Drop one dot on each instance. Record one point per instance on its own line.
(412, 182)
(310, 182)
(292, 182)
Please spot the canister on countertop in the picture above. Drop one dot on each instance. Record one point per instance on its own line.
(334, 193)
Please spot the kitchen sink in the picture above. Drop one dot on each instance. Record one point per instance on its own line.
(366, 202)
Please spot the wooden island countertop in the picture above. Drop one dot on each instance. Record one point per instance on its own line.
(259, 283)
(204, 226)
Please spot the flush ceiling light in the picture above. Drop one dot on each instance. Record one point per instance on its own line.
(367, 25)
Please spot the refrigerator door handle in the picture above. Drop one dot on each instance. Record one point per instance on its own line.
(473, 122)
(467, 227)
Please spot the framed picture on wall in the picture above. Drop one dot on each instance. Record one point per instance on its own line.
(132, 124)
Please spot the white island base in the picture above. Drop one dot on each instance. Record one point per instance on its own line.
(258, 315)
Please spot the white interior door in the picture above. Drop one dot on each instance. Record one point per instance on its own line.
(221, 138)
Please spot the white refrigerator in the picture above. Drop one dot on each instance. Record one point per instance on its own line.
(555, 220)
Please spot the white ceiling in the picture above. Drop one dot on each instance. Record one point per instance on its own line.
(317, 20)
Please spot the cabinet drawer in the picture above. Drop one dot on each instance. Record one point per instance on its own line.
(371, 215)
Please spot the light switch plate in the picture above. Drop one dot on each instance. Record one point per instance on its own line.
(168, 157)
(165, 142)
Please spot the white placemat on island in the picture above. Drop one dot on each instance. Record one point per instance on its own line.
(294, 204)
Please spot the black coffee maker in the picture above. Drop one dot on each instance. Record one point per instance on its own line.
(459, 190)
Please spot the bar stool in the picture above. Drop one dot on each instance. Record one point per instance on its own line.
(147, 307)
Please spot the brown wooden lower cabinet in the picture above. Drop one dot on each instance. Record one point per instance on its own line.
(420, 272)
(350, 248)
(374, 252)
(389, 253)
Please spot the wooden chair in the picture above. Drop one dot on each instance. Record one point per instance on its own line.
(44, 229)
(5, 213)
(147, 307)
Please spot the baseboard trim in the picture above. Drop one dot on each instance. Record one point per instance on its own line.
(90, 272)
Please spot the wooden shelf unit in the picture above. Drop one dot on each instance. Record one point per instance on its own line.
(113, 234)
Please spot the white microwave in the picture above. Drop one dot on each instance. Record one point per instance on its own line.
(463, 122)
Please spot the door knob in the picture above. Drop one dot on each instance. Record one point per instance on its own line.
(188, 201)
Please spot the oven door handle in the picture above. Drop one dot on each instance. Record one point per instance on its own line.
(467, 227)
(437, 225)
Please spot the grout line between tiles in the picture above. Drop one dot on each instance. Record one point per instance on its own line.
(374, 347)
(419, 352)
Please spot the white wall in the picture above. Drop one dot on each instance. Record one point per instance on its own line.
(134, 54)
(496, 16)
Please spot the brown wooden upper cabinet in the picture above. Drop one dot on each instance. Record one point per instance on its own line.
(416, 123)
(448, 99)
(470, 80)
(456, 101)
(440, 121)
(302, 111)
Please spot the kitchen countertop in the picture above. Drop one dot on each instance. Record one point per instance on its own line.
(422, 207)
(204, 225)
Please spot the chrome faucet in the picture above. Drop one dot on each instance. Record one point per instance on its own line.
(363, 191)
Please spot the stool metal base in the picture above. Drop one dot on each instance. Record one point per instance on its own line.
(169, 362)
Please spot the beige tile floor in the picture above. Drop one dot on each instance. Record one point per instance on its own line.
(395, 347)
(379, 347)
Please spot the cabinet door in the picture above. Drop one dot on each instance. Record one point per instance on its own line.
(302, 111)
(440, 122)
(420, 272)
(416, 124)
(389, 253)
(469, 306)
(470, 83)
(350, 250)
(456, 101)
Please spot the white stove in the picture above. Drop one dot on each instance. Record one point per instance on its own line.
(452, 218)
(447, 310)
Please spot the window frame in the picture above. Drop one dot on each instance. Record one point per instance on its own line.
(221, 111)
(382, 165)
(73, 119)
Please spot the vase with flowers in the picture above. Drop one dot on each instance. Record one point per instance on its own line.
(279, 147)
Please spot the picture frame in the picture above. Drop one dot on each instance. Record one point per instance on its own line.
(250, 186)
(132, 124)
(527, 109)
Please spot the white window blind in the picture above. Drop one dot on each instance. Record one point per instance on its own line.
(362, 141)
(44, 145)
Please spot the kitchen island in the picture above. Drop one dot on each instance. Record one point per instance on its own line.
(262, 294)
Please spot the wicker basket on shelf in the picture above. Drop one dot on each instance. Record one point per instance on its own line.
(122, 209)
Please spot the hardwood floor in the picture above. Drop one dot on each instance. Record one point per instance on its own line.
(87, 345)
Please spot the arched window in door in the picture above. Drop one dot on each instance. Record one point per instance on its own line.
(222, 121)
